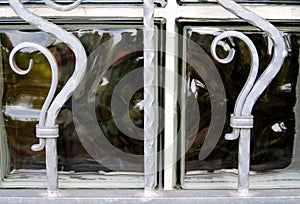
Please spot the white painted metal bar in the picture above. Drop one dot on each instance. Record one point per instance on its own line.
(244, 162)
(150, 98)
(51, 164)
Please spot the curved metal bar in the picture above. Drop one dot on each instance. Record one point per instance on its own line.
(14, 65)
(53, 86)
(50, 131)
(245, 120)
(59, 7)
(213, 48)
(54, 68)
(278, 56)
(251, 77)
(72, 42)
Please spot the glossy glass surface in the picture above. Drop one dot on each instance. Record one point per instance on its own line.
(272, 138)
(24, 96)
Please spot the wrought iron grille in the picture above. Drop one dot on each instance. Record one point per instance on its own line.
(241, 121)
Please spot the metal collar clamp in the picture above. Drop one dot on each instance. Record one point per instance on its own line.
(47, 132)
(241, 121)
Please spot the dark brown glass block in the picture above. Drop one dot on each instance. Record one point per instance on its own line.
(24, 96)
(272, 138)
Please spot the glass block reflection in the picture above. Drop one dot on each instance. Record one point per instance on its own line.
(272, 138)
(24, 96)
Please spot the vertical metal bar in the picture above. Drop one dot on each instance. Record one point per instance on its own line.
(51, 164)
(244, 162)
(150, 103)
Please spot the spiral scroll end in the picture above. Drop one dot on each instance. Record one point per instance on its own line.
(225, 46)
(12, 60)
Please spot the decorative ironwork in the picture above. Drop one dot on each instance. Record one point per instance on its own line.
(47, 130)
(241, 119)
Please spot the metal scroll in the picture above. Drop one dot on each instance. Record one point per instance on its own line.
(47, 130)
(242, 120)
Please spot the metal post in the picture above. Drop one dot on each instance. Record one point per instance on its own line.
(150, 95)
(244, 162)
(51, 164)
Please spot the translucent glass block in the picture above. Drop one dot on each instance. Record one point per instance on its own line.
(274, 135)
(24, 96)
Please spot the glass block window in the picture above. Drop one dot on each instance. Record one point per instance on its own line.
(96, 153)
(273, 136)
(81, 152)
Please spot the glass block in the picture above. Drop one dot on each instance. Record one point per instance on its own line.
(24, 96)
(274, 134)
